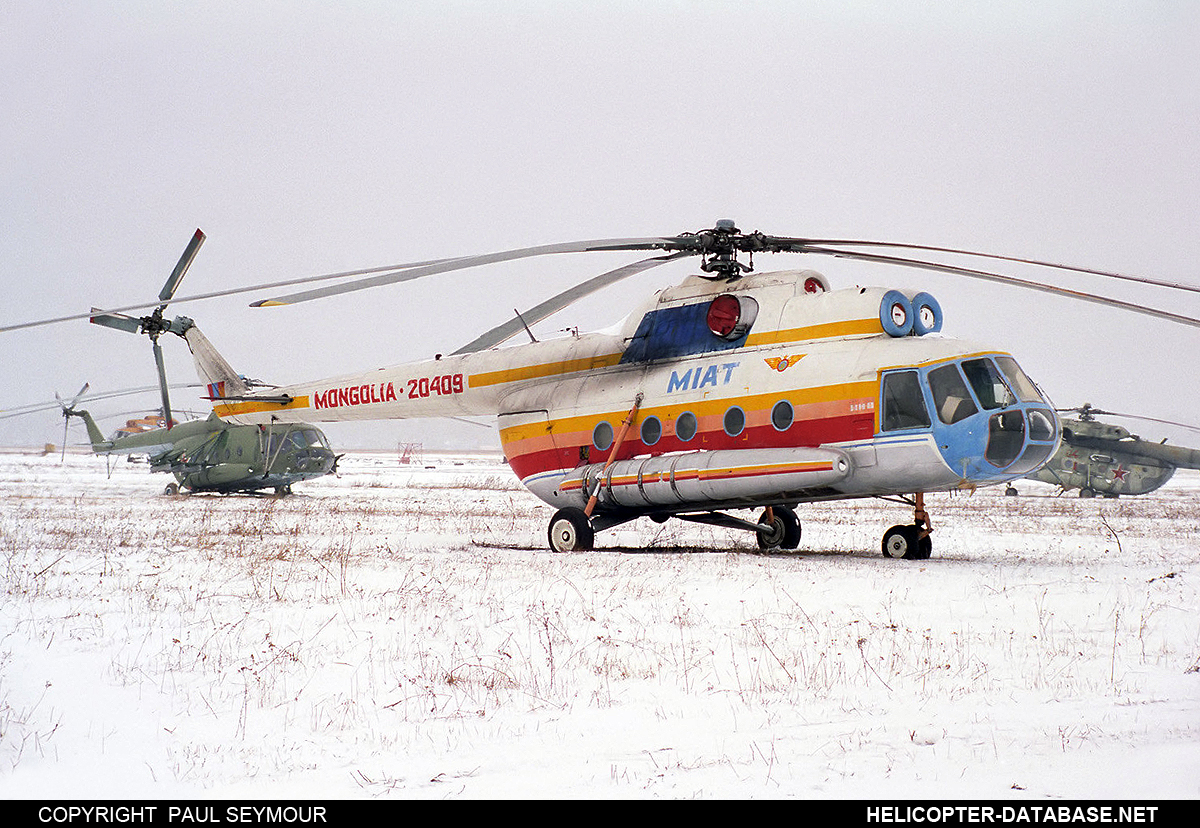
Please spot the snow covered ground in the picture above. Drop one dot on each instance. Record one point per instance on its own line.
(402, 631)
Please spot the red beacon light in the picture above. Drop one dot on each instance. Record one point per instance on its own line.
(730, 317)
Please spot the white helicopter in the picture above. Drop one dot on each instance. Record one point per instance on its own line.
(732, 390)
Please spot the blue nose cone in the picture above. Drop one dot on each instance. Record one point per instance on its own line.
(999, 445)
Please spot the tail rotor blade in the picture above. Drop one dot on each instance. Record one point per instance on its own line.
(185, 261)
(119, 321)
(162, 383)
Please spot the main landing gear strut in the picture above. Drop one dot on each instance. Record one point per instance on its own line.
(571, 529)
(910, 542)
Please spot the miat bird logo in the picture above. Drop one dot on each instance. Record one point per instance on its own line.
(781, 364)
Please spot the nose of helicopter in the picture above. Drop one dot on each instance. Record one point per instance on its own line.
(990, 421)
(995, 446)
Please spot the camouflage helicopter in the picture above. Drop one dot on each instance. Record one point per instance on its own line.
(208, 455)
(1102, 459)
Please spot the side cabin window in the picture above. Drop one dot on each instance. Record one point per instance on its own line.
(903, 403)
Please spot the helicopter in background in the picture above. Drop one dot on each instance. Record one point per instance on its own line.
(1100, 459)
(208, 455)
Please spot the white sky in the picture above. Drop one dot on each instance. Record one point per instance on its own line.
(306, 138)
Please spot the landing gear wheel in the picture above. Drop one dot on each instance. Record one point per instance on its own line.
(571, 531)
(784, 532)
(172, 489)
(906, 542)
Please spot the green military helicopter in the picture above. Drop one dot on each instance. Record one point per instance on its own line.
(208, 455)
(1107, 460)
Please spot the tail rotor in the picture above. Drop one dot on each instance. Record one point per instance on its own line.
(155, 324)
(68, 409)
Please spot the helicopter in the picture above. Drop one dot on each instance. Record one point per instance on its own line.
(1098, 458)
(207, 455)
(733, 390)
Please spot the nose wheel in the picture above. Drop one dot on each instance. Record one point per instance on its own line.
(910, 542)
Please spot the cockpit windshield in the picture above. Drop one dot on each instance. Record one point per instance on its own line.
(1023, 386)
(989, 386)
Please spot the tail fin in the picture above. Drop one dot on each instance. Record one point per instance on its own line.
(99, 443)
(212, 368)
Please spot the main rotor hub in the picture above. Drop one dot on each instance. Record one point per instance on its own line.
(719, 248)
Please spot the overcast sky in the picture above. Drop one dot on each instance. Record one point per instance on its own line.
(306, 138)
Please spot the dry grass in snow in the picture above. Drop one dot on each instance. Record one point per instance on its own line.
(404, 632)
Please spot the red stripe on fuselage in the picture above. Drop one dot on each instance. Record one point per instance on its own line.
(802, 434)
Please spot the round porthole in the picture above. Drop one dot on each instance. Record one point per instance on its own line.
(651, 430)
(782, 415)
(735, 421)
(685, 426)
(602, 436)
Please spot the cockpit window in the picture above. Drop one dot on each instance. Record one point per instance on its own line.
(314, 439)
(1026, 390)
(903, 403)
(951, 398)
(988, 384)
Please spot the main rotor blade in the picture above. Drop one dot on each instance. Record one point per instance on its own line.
(1006, 280)
(465, 262)
(511, 328)
(34, 408)
(185, 261)
(779, 244)
(1104, 413)
(216, 294)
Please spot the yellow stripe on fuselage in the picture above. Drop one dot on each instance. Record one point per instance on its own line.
(255, 407)
(826, 330)
(547, 369)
